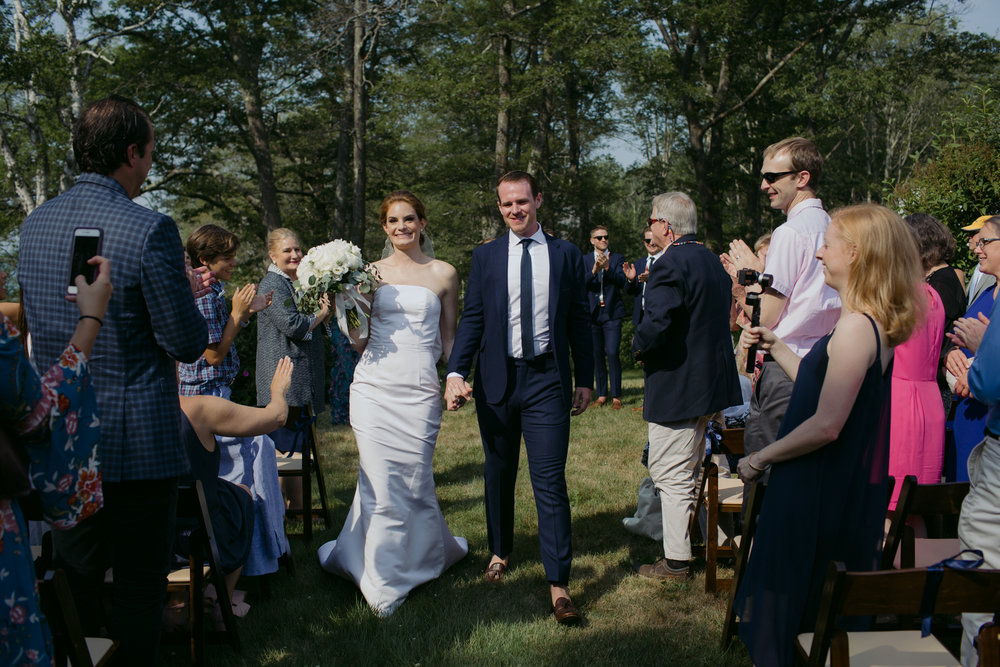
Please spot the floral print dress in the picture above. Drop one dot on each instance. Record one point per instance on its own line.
(55, 420)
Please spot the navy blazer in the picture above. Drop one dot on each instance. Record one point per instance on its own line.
(683, 339)
(482, 329)
(634, 288)
(151, 321)
(614, 280)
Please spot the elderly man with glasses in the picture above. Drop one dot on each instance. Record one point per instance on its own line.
(798, 306)
(604, 277)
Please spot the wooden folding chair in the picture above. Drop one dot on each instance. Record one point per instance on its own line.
(902, 549)
(67, 636)
(302, 465)
(896, 592)
(191, 504)
(717, 495)
(754, 501)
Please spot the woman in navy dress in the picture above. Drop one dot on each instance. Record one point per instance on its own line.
(826, 499)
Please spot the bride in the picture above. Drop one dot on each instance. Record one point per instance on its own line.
(395, 537)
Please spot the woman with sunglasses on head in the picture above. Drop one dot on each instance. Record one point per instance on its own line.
(970, 414)
(829, 465)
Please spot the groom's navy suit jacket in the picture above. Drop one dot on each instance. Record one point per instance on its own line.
(483, 327)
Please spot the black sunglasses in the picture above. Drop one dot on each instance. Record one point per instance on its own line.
(647, 240)
(772, 176)
(600, 237)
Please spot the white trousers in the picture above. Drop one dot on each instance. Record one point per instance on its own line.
(675, 450)
(979, 528)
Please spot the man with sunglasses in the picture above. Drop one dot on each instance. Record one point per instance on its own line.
(638, 273)
(603, 274)
(799, 306)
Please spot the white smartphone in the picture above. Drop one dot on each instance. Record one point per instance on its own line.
(86, 244)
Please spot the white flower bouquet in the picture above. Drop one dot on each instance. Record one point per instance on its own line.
(337, 268)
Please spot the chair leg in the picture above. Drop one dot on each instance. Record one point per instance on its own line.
(320, 483)
(752, 507)
(307, 507)
(196, 600)
(712, 536)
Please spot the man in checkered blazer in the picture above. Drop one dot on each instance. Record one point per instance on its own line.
(151, 321)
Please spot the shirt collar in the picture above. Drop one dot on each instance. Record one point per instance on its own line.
(274, 269)
(537, 237)
(803, 205)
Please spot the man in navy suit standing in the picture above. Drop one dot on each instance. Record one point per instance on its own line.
(684, 343)
(604, 277)
(151, 321)
(638, 273)
(525, 312)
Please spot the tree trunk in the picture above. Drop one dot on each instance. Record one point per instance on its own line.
(247, 70)
(341, 226)
(359, 106)
(503, 97)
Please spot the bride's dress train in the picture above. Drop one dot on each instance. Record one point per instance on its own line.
(395, 537)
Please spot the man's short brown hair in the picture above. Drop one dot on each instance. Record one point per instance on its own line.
(517, 177)
(803, 154)
(210, 242)
(104, 132)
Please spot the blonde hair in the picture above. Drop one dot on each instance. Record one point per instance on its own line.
(886, 274)
(278, 234)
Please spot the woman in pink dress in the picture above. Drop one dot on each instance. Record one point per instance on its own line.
(916, 431)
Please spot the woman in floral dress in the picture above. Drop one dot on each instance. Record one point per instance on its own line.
(53, 419)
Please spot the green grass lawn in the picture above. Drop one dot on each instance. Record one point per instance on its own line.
(314, 618)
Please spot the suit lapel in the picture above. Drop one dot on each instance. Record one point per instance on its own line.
(501, 251)
(555, 271)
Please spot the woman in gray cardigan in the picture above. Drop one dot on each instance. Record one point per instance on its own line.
(283, 331)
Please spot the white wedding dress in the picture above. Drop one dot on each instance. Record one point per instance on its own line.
(395, 537)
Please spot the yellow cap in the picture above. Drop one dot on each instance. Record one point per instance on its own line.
(977, 225)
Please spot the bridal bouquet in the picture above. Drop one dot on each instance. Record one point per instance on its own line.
(336, 267)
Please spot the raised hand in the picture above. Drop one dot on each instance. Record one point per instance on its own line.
(969, 332)
(92, 298)
(242, 300)
(261, 302)
(743, 256)
(282, 379)
(629, 269)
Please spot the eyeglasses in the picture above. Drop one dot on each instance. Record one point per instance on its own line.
(772, 176)
(982, 243)
(647, 241)
(600, 237)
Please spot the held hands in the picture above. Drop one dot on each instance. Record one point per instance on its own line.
(969, 332)
(581, 399)
(92, 298)
(457, 392)
(957, 363)
(282, 379)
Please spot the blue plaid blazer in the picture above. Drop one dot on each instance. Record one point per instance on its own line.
(151, 320)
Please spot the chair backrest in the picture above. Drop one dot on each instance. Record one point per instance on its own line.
(920, 499)
(732, 441)
(897, 592)
(67, 635)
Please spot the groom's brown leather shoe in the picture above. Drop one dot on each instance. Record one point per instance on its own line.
(601, 400)
(494, 574)
(566, 612)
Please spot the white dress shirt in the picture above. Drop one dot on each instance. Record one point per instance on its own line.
(539, 252)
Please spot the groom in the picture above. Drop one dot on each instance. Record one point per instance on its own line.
(523, 335)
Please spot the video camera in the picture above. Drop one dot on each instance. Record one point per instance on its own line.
(747, 277)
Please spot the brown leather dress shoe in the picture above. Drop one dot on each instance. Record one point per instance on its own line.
(494, 574)
(566, 612)
(662, 570)
(616, 404)
(601, 400)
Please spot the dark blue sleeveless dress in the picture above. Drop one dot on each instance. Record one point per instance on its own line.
(827, 505)
(230, 507)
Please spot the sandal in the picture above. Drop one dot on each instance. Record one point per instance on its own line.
(494, 574)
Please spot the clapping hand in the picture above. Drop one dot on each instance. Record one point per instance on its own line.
(629, 269)
(600, 263)
(742, 256)
(969, 332)
(261, 302)
(201, 279)
(242, 300)
(282, 379)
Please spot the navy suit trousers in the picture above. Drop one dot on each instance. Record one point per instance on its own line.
(535, 407)
(607, 338)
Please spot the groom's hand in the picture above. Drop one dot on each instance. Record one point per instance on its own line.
(581, 399)
(457, 392)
